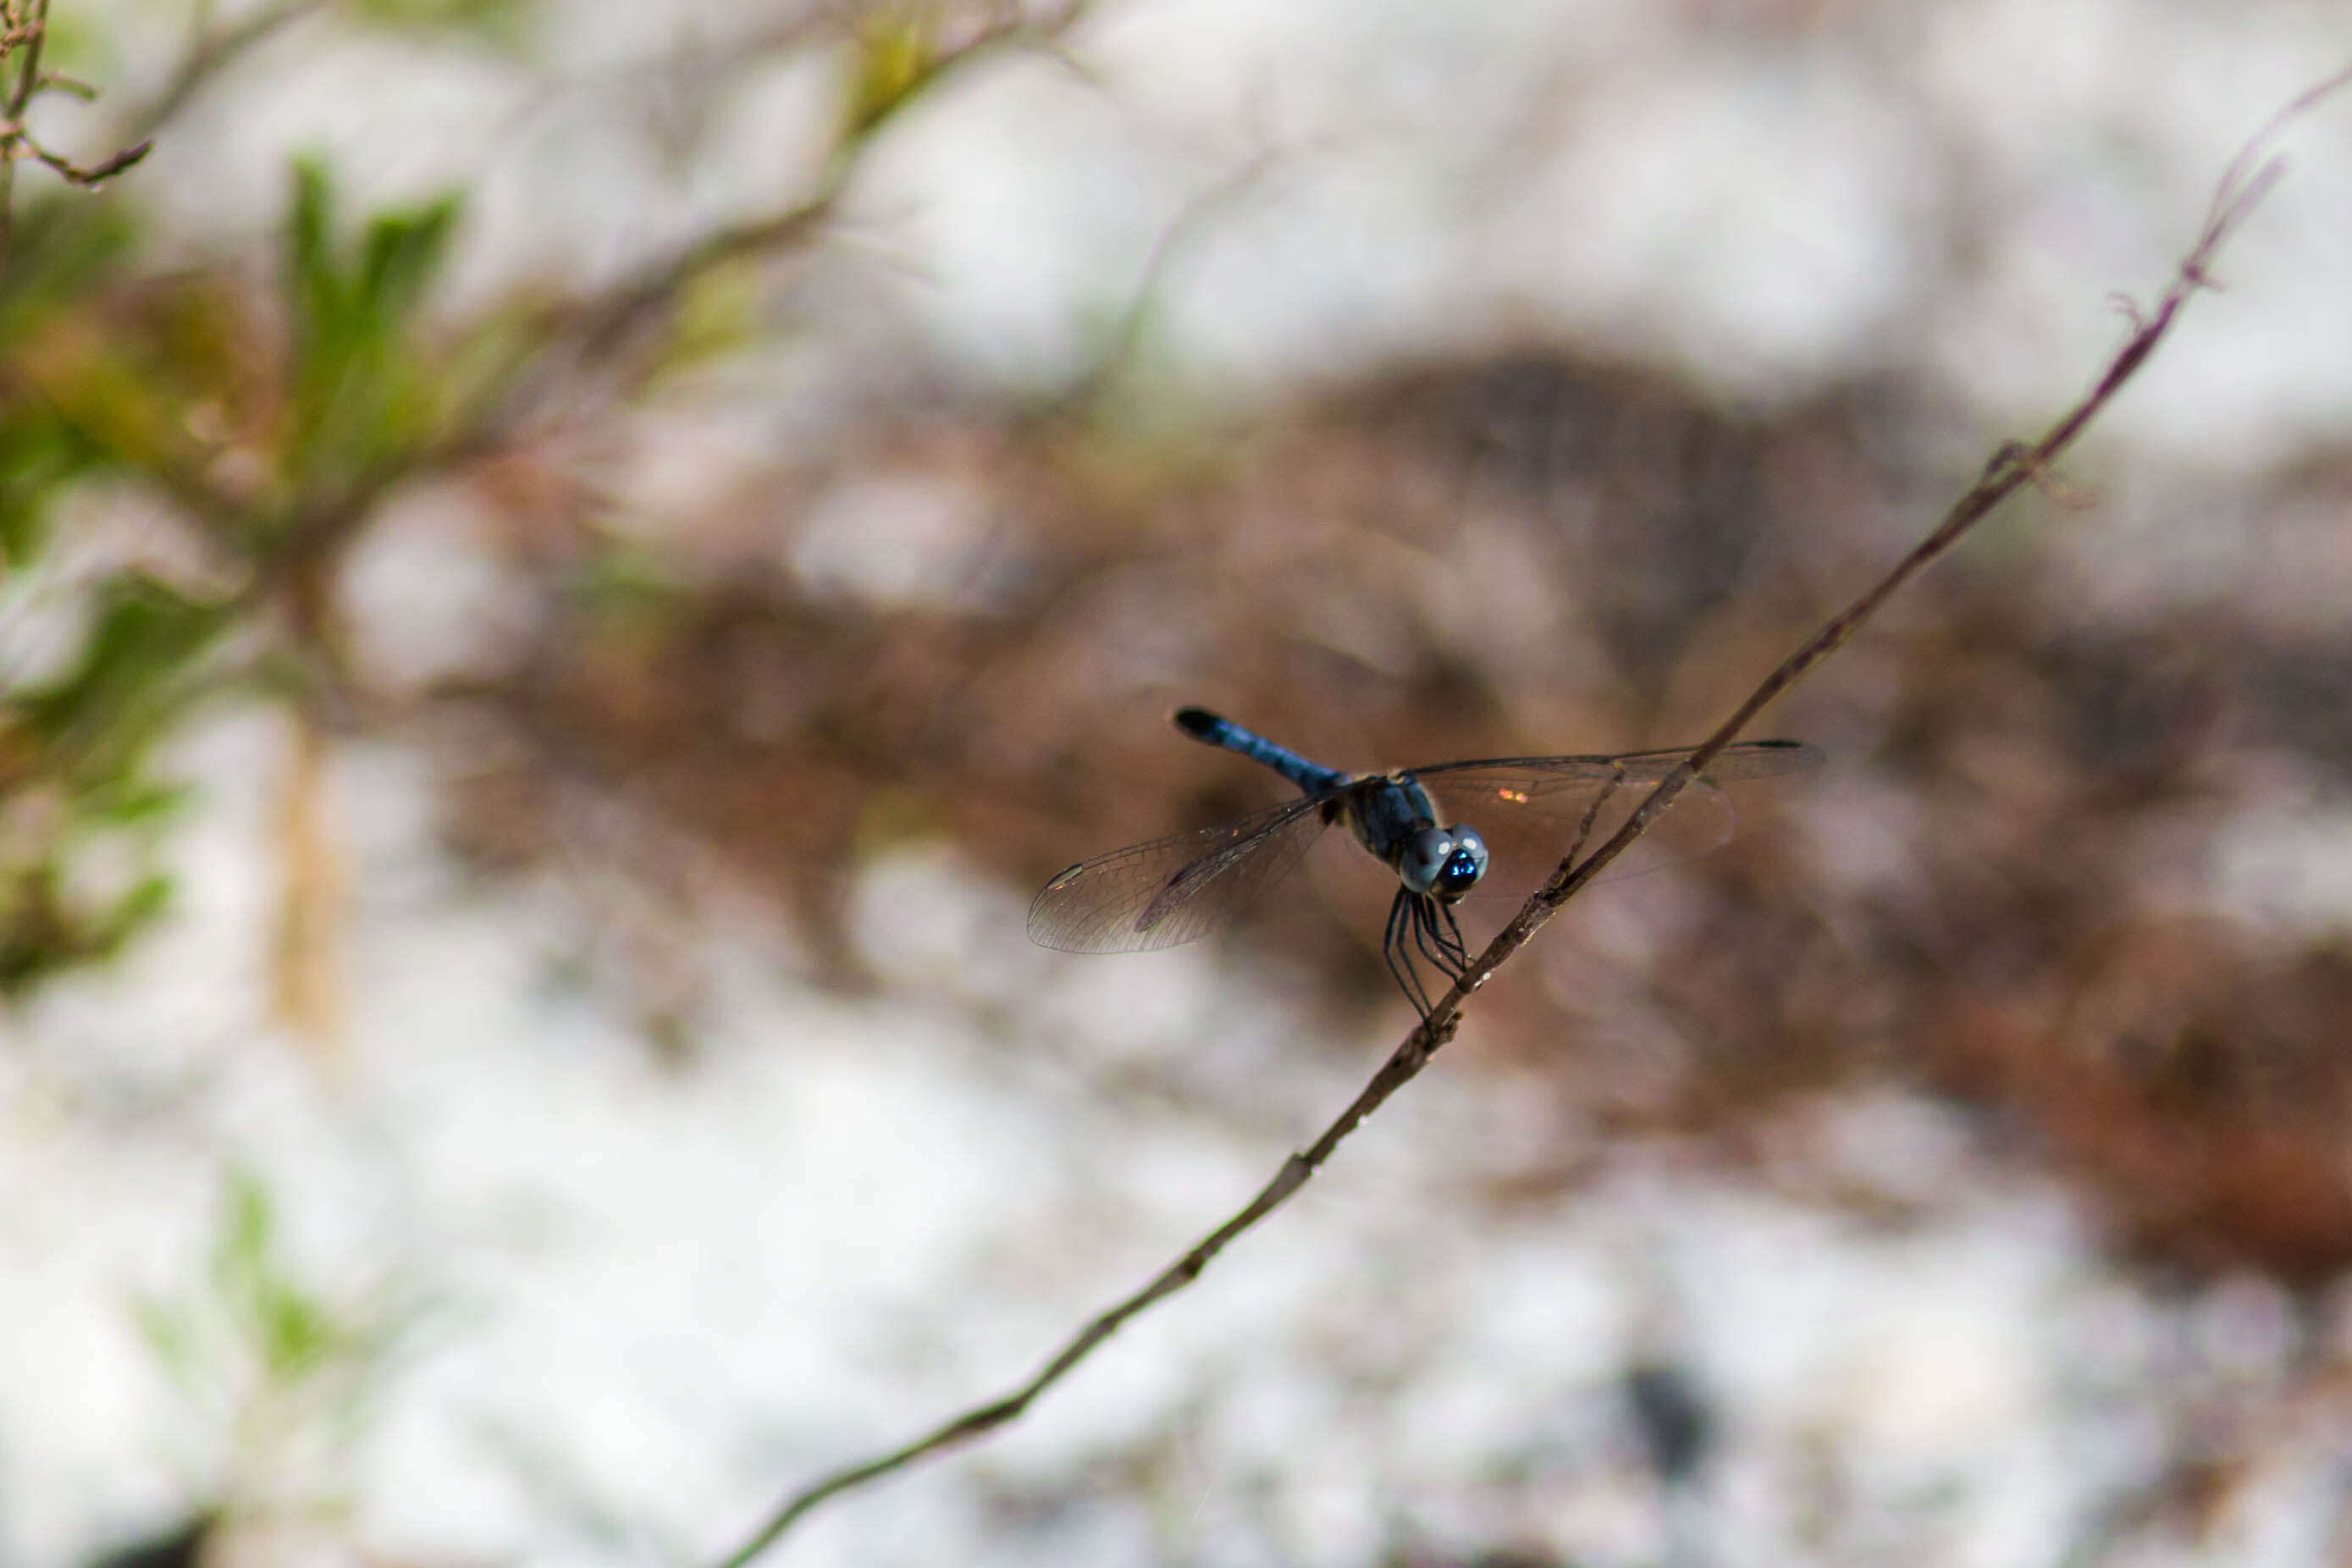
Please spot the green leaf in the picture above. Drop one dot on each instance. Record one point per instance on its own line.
(39, 455)
(364, 394)
(311, 262)
(296, 1331)
(404, 254)
(171, 1333)
(63, 247)
(130, 802)
(148, 899)
(145, 636)
(505, 23)
(241, 1250)
(718, 313)
(897, 52)
(43, 933)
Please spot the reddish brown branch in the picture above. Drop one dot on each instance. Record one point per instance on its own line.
(27, 30)
(95, 173)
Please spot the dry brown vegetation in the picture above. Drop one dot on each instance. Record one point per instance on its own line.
(1533, 554)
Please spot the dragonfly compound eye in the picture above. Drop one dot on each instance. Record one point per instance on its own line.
(1425, 857)
(1461, 870)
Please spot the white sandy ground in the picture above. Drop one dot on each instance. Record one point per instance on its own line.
(654, 1296)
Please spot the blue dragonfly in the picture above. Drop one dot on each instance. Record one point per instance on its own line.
(1414, 821)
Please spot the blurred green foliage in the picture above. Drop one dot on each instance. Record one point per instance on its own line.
(505, 23)
(897, 53)
(255, 421)
(39, 457)
(266, 442)
(277, 1371)
(68, 248)
(71, 787)
(365, 397)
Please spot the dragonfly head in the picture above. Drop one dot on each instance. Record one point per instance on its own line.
(1445, 861)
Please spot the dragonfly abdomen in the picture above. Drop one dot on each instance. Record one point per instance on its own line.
(1218, 730)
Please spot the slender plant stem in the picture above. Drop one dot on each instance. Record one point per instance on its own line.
(25, 32)
(28, 29)
(2249, 177)
(28, 68)
(208, 53)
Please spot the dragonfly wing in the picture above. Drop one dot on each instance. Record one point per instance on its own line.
(1733, 764)
(1173, 891)
(1530, 810)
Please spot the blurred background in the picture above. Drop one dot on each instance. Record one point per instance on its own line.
(569, 566)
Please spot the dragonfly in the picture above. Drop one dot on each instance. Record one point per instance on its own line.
(1416, 822)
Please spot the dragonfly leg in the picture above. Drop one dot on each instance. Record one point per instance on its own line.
(1404, 916)
(1420, 926)
(1437, 936)
(1457, 948)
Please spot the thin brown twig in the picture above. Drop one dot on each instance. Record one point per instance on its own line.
(28, 33)
(32, 33)
(2247, 180)
(210, 52)
(96, 174)
(23, 36)
(603, 331)
(1194, 225)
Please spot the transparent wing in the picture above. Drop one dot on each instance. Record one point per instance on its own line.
(1734, 764)
(1173, 891)
(1530, 809)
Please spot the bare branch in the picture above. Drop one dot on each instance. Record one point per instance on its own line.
(24, 37)
(31, 33)
(207, 54)
(2243, 186)
(606, 330)
(27, 33)
(96, 173)
(1191, 228)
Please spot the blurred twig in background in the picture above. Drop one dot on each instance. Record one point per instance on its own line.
(23, 29)
(211, 48)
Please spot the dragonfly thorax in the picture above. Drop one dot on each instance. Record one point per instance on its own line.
(1392, 816)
